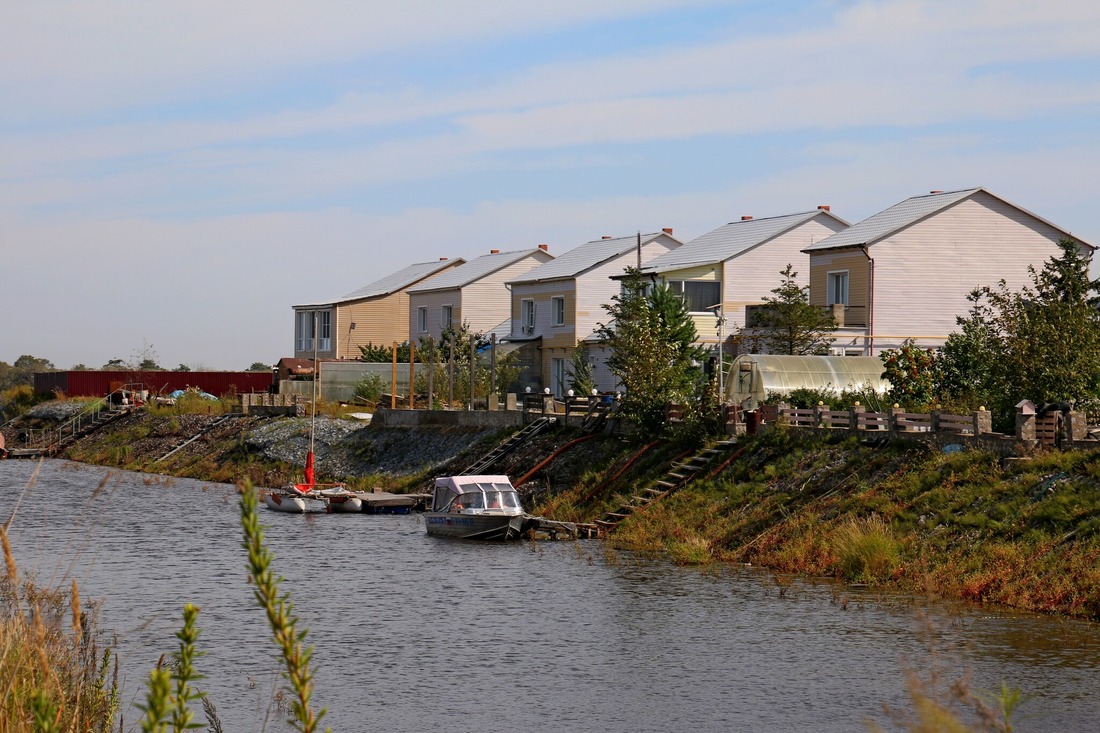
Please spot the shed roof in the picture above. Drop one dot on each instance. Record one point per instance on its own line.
(477, 269)
(908, 212)
(395, 281)
(583, 258)
(730, 240)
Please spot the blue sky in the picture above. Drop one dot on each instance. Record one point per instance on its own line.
(181, 174)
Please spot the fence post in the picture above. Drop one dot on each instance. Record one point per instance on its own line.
(934, 419)
(983, 421)
(853, 416)
(1025, 421)
(818, 409)
(1076, 429)
(893, 413)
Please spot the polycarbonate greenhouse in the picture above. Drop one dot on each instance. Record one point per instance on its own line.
(753, 377)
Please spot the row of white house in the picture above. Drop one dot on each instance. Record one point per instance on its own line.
(903, 273)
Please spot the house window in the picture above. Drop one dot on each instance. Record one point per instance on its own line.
(527, 316)
(838, 288)
(422, 319)
(303, 331)
(324, 331)
(445, 313)
(559, 310)
(557, 377)
(698, 295)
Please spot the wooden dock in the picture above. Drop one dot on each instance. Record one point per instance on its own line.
(549, 529)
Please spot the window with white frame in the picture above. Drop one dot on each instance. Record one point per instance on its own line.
(445, 317)
(527, 316)
(324, 330)
(558, 305)
(422, 319)
(313, 324)
(837, 288)
(303, 331)
(698, 295)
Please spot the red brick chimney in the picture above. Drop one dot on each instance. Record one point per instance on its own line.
(544, 247)
(935, 192)
(442, 259)
(606, 236)
(824, 207)
(746, 218)
(494, 251)
(667, 230)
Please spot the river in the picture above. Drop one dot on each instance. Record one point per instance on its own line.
(412, 633)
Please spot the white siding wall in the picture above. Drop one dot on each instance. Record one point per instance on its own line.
(595, 287)
(923, 273)
(751, 276)
(434, 301)
(486, 303)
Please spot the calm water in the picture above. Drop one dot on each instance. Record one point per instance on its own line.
(414, 633)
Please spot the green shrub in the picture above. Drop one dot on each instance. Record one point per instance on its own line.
(370, 388)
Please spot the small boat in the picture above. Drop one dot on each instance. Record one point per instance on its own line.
(287, 500)
(337, 498)
(475, 508)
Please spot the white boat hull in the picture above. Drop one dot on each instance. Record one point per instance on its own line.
(285, 503)
(474, 526)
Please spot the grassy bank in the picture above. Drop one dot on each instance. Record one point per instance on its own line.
(957, 525)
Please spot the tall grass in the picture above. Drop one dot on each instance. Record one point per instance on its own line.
(52, 673)
(867, 550)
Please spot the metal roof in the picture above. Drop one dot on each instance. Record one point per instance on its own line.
(893, 219)
(730, 240)
(394, 282)
(580, 259)
(476, 269)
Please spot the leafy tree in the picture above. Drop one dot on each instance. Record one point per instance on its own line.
(149, 365)
(21, 372)
(115, 365)
(652, 351)
(789, 324)
(259, 366)
(913, 373)
(80, 367)
(182, 368)
(1041, 343)
(384, 354)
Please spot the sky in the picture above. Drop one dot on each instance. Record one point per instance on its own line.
(174, 177)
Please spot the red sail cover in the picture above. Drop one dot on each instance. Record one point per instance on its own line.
(309, 468)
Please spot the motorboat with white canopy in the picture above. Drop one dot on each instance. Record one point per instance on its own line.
(475, 508)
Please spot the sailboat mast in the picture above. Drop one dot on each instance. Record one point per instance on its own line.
(316, 378)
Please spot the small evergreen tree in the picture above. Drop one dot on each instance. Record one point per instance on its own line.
(653, 353)
(789, 324)
(581, 379)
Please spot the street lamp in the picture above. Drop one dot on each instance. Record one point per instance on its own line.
(720, 316)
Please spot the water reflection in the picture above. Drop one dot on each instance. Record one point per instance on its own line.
(413, 633)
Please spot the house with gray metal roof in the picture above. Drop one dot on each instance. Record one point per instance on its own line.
(736, 266)
(473, 294)
(377, 314)
(904, 273)
(557, 305)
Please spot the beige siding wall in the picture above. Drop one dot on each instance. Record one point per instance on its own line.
(923, 273)
(851, 261)
(378, 321)
(751, 276)
(595, 287)
(542, 294)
